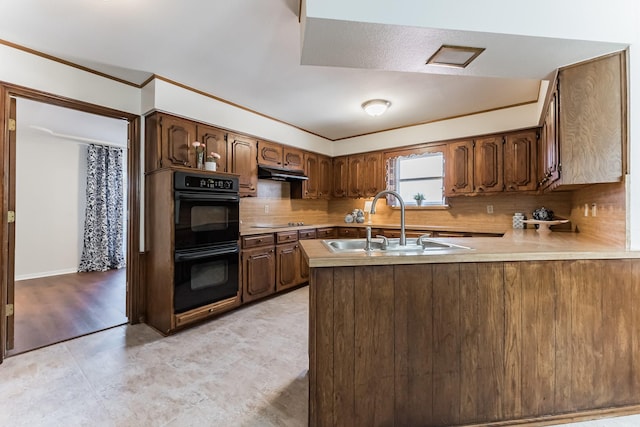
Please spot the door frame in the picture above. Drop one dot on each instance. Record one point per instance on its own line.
(135, 294)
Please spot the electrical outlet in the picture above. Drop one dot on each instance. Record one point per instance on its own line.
(266, 209)
(594, 209)
(489, 209)
(586, 209)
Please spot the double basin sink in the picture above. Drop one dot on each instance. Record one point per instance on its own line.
(425, 247)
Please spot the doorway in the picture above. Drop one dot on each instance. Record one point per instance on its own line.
(53, 302)
(133, 294)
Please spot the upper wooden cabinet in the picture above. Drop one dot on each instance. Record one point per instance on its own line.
(243, 161)
(592, 122)
(359, 175)
(310, 186)
(520, 161)
(492, 164)
(459, 168)
(340, 176)
(549, 160)
(488, 164)
(270, 154)
(216, 141)
(325, 176)
(280, 156)
(168, 142)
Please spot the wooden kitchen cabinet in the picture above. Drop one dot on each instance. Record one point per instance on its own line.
(373, 174)
(215, 140)
(325, 176)
(168, 142)
(270, 154)
(459, 168)
(364, 174)
(304, 264)
(280, 156)
(310, 186)
(488, 164)
(549, 153)
(355, 176)
(326, 233)
(258, 267)
(592, 122)
(293, 158)
(521, 161)
(243, 161)
(288, 266)
(340, 176)
(350, 232)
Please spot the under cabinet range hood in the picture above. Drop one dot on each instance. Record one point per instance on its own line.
(277, 174)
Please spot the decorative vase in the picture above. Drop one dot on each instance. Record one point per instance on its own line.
(199, 159)
(419, 202)
(210, 166)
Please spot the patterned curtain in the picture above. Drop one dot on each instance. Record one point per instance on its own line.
(103, 233)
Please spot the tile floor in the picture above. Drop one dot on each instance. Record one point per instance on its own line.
(246, 368)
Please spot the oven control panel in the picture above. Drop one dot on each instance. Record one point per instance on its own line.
(186, 181)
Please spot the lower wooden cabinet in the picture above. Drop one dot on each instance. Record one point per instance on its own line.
(288, 266)
(258, 272)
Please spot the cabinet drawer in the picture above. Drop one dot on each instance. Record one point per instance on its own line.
(326, 233)
(307, 234)
(286, 236)
(348, 232)
(257, 240)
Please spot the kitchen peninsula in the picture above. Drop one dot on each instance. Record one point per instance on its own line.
(528, 327)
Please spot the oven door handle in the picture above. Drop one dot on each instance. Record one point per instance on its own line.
(194, 256)
(200, 196)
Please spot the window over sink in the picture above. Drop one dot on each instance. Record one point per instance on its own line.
(417, 174)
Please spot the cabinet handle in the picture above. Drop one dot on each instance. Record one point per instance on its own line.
(453, 190)
(259, 240)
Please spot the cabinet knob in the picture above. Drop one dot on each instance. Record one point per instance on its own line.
(480, 188)
(453, 190)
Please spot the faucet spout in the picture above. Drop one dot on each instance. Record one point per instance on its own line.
(403, 238)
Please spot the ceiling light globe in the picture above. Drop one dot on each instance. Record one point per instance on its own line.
(376, 107)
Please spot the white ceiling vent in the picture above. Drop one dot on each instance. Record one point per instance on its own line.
(454, 56)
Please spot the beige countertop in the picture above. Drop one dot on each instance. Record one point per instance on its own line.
(248, 230)
(515, 245)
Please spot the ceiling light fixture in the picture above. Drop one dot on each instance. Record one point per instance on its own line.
(376, 107)
(455, 56)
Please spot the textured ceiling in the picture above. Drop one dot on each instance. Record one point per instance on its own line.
(250, 53)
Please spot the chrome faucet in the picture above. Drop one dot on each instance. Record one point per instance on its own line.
(367, 243)
(403, 238)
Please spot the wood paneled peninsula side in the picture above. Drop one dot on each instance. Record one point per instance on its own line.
(526, 327)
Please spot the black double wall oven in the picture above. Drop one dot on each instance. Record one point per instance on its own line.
(206, 233)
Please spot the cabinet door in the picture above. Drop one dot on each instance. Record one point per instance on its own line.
(373, 174)
(287, 266)
(303, 272)
(488, 164)
(293, 159)
(350, 232)
(340, 176)
(176, 136)
(459, 168)
(549, 167)
(310, 186)
(242, 155)
(270, 153)
(215, 140)
(258, 273)
(355, 174)
(592, 121)
(520, 161)
(324, 176)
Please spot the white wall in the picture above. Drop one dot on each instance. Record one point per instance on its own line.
(50, 203)
(51, 184)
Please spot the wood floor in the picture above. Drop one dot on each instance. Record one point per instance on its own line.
(53, 309)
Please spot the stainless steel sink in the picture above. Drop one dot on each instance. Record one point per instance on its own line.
(393, 246)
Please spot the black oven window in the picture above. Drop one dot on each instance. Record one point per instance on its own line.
(209, 218)
(209, 274)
